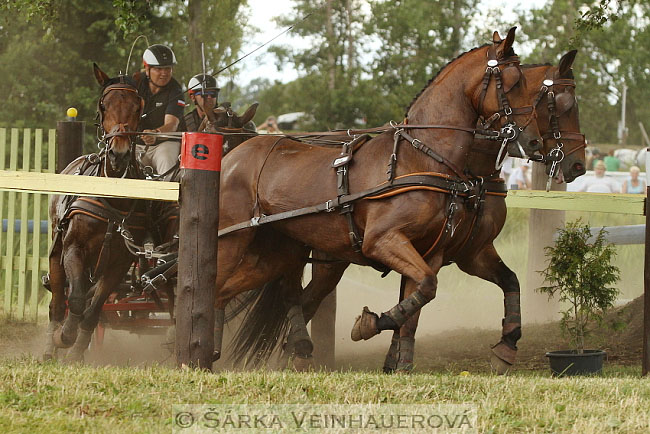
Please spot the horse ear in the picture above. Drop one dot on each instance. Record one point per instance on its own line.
(100, 75)
(496, 38)
(566, 62)
(249, 114)
(505, 45)
(510, 39)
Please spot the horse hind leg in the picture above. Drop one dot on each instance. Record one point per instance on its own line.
(488, 265)
(392, 356)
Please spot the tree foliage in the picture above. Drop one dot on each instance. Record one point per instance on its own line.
(612, 40)
(359, 61)
(47, 48)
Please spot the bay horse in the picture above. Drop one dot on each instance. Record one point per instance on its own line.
(90, 234)
(564, 149)
(557, 109)
(387, 222)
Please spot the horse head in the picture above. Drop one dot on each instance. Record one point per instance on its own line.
(495, 96)
(508, 104)
(235, 128)
(558, 120)
(119, 110)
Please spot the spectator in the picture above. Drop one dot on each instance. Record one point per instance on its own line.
(270, 126)
(519, 177)
(612, 164)
(507, 168)
(599, 183)
(634, 185)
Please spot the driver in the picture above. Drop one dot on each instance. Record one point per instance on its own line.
(163, 110)
(203, 92)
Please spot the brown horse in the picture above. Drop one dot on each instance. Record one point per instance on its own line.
(88, 246)
(557, 109)
(475, 254)
(422, 199)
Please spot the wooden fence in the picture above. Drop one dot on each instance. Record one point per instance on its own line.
(23, 253)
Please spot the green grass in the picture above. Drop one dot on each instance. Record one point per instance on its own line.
(38, 397)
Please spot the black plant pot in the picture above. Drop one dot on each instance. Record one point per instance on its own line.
(569, 362)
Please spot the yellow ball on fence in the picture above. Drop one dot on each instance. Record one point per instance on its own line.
(72, 112)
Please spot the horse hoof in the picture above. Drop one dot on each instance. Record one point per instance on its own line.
(500, 366)
(303, 364)
(365, 326)
(48, 357)
(505, 352)
(74, 357)
(60, 340)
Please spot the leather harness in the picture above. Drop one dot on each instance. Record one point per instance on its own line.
(470, 190)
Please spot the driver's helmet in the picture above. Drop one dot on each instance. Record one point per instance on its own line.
(202, 81)
(158, 55)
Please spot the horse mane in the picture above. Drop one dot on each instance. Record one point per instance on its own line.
(536, 65)
(120, 79)
(511, 52)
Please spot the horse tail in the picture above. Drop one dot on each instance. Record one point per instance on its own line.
(240, 303)
(265, 323)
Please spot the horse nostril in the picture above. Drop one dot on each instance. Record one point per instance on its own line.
(579, 169)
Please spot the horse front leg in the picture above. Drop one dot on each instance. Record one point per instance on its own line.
(73, 262)
(56, 286)
(488, 266)
(396, 251)
(105, 285)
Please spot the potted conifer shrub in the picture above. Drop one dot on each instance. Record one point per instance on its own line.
(581, 276)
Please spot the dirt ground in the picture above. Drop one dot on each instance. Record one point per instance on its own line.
(466, 349)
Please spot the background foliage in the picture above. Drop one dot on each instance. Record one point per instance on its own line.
(364, 61)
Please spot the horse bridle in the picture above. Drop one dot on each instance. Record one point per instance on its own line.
(511, 130)
(121, 128)
(557, 154)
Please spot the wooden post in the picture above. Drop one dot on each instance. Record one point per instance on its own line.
(197, 254)
(645, 367)
(69, 140)
(542, 225)
(323, 333)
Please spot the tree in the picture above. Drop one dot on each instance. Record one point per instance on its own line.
(48, 46)
(612, 51)
(417, 38)
(329, 64)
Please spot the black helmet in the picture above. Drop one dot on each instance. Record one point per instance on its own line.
(158, 55)
(200, 81)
